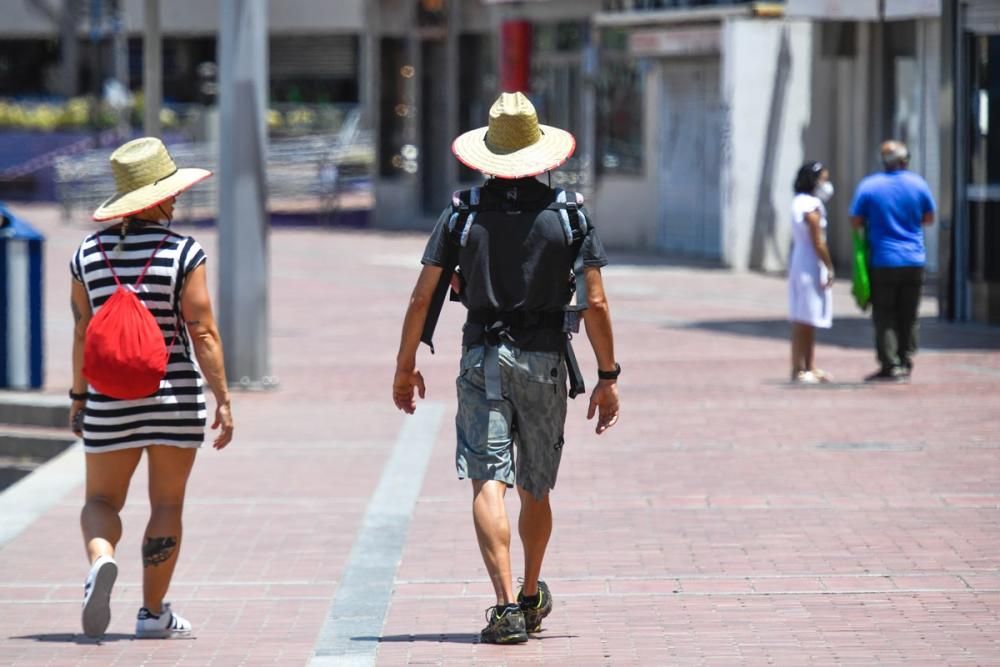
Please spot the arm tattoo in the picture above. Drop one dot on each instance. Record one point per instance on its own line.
(76, 311)
(158, 550)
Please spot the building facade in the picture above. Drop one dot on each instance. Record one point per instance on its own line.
(314, 48)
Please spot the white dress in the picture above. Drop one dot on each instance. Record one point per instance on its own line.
(809, 301)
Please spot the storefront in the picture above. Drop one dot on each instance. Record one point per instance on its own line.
(722, 94)
(972, 138)
(439, 65)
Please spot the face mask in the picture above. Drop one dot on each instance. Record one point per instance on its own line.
(824, 191)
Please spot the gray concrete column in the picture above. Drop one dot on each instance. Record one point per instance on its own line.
(244, 226)
(152, 68)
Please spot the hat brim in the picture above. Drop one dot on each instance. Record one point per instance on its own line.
(129, 203)
(553, 148)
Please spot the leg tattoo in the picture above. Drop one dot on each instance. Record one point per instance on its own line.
(157, 550)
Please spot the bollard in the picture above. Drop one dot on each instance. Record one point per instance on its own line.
(21, 338)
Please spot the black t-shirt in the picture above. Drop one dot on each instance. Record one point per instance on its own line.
(516, 257)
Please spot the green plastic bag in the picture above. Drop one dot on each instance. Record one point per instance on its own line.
(861, 286)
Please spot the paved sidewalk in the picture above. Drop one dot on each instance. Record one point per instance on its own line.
(730, 518)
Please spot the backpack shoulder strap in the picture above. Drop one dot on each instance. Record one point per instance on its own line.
(568, 205)
(464, 207)
(100, 246)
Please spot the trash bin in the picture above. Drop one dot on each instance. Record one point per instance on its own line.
(21, 341)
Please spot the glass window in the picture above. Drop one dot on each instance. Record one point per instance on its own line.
(619, 108)
(394, 107)
(983, 187)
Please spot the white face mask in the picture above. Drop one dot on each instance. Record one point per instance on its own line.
(824, 191)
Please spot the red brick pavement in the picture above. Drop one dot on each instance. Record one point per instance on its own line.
(730, 518)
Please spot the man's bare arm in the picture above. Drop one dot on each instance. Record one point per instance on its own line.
(407, 376)
(597, 319)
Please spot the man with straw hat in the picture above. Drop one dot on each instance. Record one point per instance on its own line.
(522, 249)
(165, 419)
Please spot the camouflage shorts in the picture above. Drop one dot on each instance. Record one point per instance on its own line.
(530, 418)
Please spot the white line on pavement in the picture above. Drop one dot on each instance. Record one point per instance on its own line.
(354, 622)
(33, 495)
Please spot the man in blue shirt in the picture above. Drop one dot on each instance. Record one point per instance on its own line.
(892, 207)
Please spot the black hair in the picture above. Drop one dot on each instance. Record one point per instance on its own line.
(805, 180)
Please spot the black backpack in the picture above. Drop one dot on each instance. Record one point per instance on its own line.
(465, 205)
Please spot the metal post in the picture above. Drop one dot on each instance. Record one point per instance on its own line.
(368, 68)
(451, 93)
(119, 33)
(587, 154)
(243, 221)
(152, 68)
(69, 47)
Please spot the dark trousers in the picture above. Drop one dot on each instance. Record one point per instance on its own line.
(895, 302)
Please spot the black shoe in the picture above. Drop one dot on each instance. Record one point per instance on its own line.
(536, 608)
(505, 625)
(894, 374)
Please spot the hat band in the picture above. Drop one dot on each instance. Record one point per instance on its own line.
(163, 178)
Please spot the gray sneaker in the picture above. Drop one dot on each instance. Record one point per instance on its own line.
(537, 608)
(505, 625)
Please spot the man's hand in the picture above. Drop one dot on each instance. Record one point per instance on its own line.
(604, 402)
(402, 389)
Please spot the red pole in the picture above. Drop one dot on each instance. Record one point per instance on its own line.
(515, 66)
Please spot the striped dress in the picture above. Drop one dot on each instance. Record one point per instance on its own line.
(175, 415)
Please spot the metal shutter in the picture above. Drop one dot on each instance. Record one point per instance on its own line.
(320, 56)
(982, 17)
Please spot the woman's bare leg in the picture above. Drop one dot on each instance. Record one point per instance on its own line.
(108, 477)
(169, 469)
(798, 358)
(809, 347)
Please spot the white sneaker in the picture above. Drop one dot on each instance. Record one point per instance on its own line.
(97, 596)
(165, 626)
(806, 377)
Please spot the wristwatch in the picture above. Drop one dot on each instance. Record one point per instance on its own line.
(73, 396)
(610, 375)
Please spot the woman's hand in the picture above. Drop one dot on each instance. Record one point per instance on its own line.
(76, 417)
(829, 277)
(223, 422)
(604, 402)
(403, 385)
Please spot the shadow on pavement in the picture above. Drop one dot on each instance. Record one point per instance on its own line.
(458, 638)
(857, 333)
(73, 638)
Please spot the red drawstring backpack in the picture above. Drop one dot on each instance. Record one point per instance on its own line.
(124, 355)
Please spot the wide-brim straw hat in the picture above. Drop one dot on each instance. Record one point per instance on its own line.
(145, 176)
(514, 144)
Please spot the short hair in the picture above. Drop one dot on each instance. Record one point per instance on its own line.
(805, 180)
(895, 154)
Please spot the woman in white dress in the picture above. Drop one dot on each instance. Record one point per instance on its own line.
(810, 271)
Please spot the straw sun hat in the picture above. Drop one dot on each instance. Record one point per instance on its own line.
(145, 176)
(514, 144)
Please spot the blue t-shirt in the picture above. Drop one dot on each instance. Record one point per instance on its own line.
(894, 204)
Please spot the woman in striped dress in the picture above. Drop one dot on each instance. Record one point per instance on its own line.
(167, 271)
